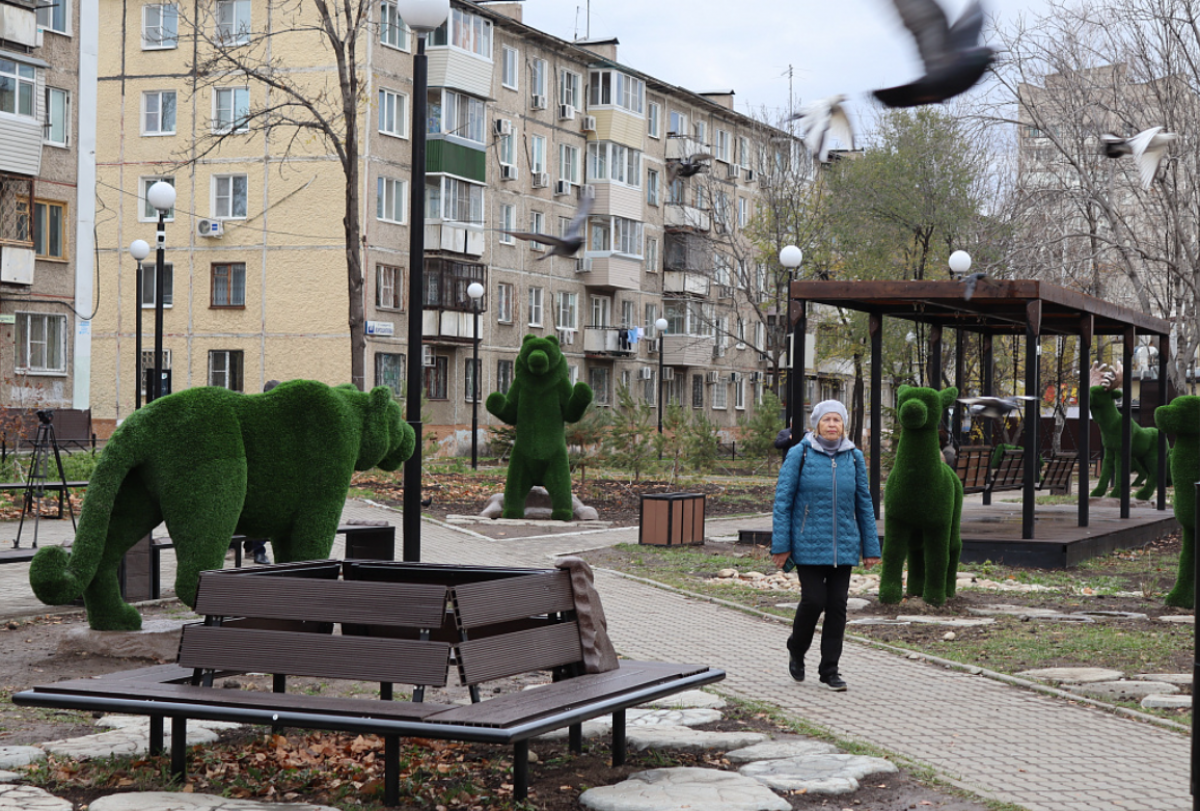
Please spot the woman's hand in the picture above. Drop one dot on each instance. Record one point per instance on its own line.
(779, 558)
(869, 562)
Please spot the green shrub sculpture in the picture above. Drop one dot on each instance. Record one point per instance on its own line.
(1105, 381)
(212, 463)
(922, 504)
(1181, 417)
(539, 404)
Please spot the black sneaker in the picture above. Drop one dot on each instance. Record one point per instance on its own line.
(795, 668)
(260, 557)
(834, 682)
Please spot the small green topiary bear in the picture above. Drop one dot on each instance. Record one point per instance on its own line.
(539, 404)
(922, 504)
(212, 463)
(1181, 417)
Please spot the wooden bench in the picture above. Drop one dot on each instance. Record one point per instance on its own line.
(396, 623)
(1009, 472)
(972, 465)
(1057, 473)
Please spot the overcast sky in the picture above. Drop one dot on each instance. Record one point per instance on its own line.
(832, 46)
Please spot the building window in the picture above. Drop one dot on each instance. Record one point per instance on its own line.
(569, 88)
(392, 31)
(504, 376)
(148, 277)
(628, 318)
(504, 303)
(50, 230)
(620, 164)
(678, 123)
(652, 187)
(601, 311)
(233, 22)
(462, 201)
(147, 362)
(53, 17)
(160, 27)
(724, 149)
(225, 369)
(700, 129)
(231, 109)
(471, 380)
(229, 285)
(389, 371)
(568, 315)
(651, 255)
(611, 87)
(652, 116)
(148, 212)
(41, 342)
(508, 150)
(720, 395)
(158, 112)
(537, 79)
(388, 281)
(743, 216)
(598, 379)
(393, 113)
(535, 306)
(627, 236)
(537, 225)
(435, 378)
(465, 31)
(509, 64)
(697, 391)
(648, 390)
(17, 83)
(58, 116)
(649, 329)
(229, 197)
(508, 222)
(677, 191)
(739, 395)
(568, 163)
(389, 199)
(744, 152)
(537, 156)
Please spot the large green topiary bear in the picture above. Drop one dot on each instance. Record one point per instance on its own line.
(1181, 417)
(922, 504)
(211, 463)
(539, 404)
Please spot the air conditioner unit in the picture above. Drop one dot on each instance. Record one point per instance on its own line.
(749, 175)
(583, 264)
(714, 377)
(562, 187)
(503, 126)
(566, 112)
(427, 356)
(538, 101)
(734, 171)
(668, 373)
(647, 373)
(541, 180)
(16, 264)
(589, 123)
(508, 171)
(210, 228)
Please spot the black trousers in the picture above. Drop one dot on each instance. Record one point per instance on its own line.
(822, 589)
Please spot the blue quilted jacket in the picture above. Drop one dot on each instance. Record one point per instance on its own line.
(824, 515)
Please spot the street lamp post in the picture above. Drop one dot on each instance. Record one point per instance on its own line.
(960, 263)
(162, 197)
(422, 17)
(791, 257)
(661, 326)
(475, 291)
(139, 250)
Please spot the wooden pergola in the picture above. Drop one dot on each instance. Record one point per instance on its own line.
(1031, 309)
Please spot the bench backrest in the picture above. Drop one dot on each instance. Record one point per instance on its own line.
(1010, 473)
(971, 466)
(1058, 471)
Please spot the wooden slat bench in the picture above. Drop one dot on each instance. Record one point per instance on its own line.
(391, 623)
(971, 465)
(1057, 473)
(1009, 473)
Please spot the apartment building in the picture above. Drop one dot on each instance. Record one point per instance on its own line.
(47, 130)
(521, 125)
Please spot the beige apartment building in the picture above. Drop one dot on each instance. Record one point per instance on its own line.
(520, 126)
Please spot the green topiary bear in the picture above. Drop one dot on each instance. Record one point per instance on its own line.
(1181, 417)
(211, 463)
(539, 404)
(922, 504)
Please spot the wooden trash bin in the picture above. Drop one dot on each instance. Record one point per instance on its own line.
(672, 519)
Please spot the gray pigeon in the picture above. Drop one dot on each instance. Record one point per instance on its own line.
(993, 408)
(570, 242)
(820, 120)
(1147, 147)
(970, 281)
(690, 166)
(953, 58)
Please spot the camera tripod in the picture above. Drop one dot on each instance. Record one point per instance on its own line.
(35, 485)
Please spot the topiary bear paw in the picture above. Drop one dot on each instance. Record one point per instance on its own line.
(1181, 597)
(120, 618)
(562, 515)
(509, 512)
(890, 594)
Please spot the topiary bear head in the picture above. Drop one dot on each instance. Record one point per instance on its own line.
(540, 358)
(1180, 417)
(920, 408)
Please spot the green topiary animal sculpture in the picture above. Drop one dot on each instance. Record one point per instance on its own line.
(922, 504)
(211, 463)
(539, 404)
(1181, 417)
(1105, 381)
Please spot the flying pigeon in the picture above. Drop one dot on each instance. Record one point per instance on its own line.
(953, 58)
(970, 281)
(993, 408)
(820, 120)
(570, 242)
(690, 166)
(1147, 147)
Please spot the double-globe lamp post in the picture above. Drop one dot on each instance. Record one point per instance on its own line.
(421, 17)
(139, 250)
(161, 196)
(791, 257)
(661, 326)
(475, 292)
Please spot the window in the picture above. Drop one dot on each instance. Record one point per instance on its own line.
(390, 371)
(537, 225)
(233, 22)
(651, 255)
(535, 306)
(648, 390)
(601, 311)
(435, 378)
(508, 151)
(160, 27)
(720, 395)
(389, 199)
(229, 197)
(17, 82)
(50, 230)
(697, 391)
(41, 342)
(504, 303)
(393, 113)
(148, 212)
(504, 376)
(148, 276)
(158, 112)
(229, 285)
(676, 192)
(627, 236)
(471, 380)
(678, 123)
(652, 187)
(744, 152)
(743, 216)
(568, 163)
(466, 31)
(612, 87)
(537, 158)
(392, 31)
(389, 281)
(598, 379)
(456, 114)
(628, 319)
(569, 88)
(700, 129)
(652, 116)
(741, 334)
(650, 330)
(231, 108)
(601, 235)
(509, 64)
(609, 161)
(739, 395)
(508, 222)
(225, 369)
(537, 78)
(147, 363)
(568, 315)
(461, 201)
(58, 117)
(724, 150)
(53, 16)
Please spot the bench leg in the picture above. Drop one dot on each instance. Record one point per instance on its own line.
(156, 735)
(575, 738)
(391, 770)
(520, 770)
(618, 738)
(179, 748)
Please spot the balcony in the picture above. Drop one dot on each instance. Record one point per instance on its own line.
(607, 341)
(446, 326)
(449, 314)
(455, 238)
(684, 216)
(681, 146)
(611, 270)
(687, 350)
(686, 283)
(451, 157)
(614, 199)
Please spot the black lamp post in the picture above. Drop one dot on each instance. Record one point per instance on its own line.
(139, 250)
(162, 197)
(791, 257)
(421, 17)
(660, 325)
(475, 291)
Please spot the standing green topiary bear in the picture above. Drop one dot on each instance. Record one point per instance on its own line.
(1181, 417)
(922, 504)
(211, 463)
(540, 402)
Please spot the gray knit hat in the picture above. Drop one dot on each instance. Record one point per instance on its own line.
(824, 407)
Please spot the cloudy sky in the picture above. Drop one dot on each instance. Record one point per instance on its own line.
(832, 46)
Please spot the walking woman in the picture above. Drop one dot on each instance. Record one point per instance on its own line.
(825, 522)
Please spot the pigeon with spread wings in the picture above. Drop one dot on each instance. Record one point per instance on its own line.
(570, 242)
(953, 58)
(1148, 148)
(690, 166)
(821, 120)
(993, 408)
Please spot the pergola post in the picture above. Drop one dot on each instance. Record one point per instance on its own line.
(960, 372)
(1127, 418)
(988, 373)
(875, 330)
(1033, 413)
(934, 377)
(1086, 325)
(1164, 350)
(798, 316)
